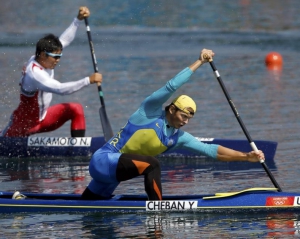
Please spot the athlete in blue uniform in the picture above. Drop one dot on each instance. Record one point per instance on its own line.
(149, 132)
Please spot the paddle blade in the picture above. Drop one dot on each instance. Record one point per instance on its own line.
(107, 130)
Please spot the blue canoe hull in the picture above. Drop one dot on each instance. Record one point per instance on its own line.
(57, 203)
(39, 147)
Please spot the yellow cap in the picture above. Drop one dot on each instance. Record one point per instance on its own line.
(184, 102)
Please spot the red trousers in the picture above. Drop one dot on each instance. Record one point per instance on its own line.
(27, 123)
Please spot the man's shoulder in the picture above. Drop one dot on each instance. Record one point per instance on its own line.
(35, 72)
(35, 67)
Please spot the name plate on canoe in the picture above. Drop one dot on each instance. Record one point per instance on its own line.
(59, 141)
(171, 205)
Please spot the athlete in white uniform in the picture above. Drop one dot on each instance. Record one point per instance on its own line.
(34, 114)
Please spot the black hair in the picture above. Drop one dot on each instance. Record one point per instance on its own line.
(168, 107)
(48, 43)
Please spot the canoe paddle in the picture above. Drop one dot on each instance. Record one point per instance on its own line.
(108, 133)
(252, 144)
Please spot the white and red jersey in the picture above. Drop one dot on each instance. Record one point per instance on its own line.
(35, 78)
(37, 85)
(39, 82)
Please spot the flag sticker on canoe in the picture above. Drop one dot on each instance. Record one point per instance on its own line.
(170, 205)
(282, 201)
(59, 141)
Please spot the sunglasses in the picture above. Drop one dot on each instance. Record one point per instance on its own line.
(55, 56)
(187, 113)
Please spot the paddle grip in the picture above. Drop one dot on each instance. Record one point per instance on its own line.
(205, 56)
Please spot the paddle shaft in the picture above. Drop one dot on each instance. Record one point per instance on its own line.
(252, 144)
(88, 31)
(107, 130)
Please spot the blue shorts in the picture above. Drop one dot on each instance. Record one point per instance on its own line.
(102, 169)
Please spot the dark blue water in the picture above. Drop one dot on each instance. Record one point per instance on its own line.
(139, 46)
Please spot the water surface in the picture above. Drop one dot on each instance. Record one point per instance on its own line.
(139, 46)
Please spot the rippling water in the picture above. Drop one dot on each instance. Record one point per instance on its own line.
(139, 46)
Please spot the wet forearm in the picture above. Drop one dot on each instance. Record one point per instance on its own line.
(226, 154)
(196, 65)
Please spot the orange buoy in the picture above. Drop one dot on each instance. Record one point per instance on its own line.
(274, 61)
